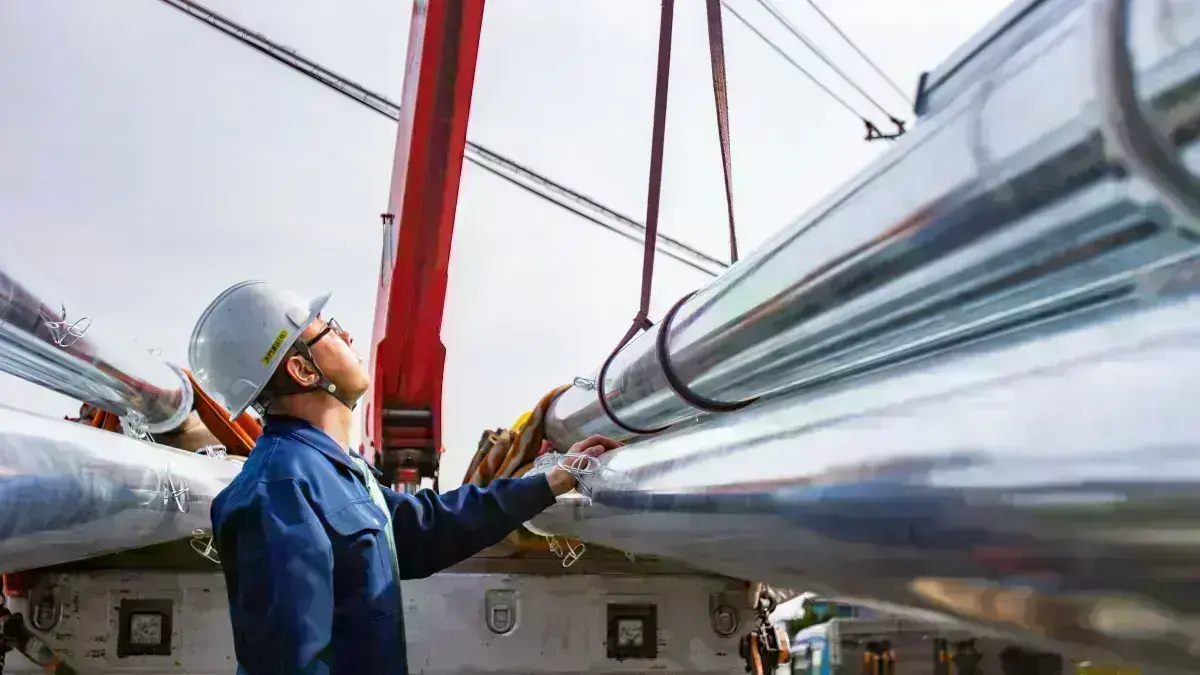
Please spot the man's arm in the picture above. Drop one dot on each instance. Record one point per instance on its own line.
(284, 566)
(434, 531)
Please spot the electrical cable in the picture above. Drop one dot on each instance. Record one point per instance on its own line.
(596, 221)
(485, 156)
(779, 50)
(895, 87)
(791, 28)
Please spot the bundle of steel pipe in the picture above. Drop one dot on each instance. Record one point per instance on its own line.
(1044, 489)
(39, 343)
(68, 491)
(975, 225)
(973, 368)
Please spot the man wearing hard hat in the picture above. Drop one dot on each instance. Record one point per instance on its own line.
(312, 547)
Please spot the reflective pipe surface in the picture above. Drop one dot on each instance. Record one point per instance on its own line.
(1044, 489)
(68, 491)
(71, 355)
(1003, 199)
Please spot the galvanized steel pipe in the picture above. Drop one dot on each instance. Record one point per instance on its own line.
(1044, 488)
(999, 202)
(68, 491)
(75, 356)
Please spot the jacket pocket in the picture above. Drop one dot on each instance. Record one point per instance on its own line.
(356, 517)
(362, 567)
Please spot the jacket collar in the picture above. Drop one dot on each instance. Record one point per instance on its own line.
(310, 435)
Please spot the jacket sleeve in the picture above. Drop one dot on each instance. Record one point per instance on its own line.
(436, 531)
(284, 567)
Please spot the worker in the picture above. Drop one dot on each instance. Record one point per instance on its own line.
(312, 547)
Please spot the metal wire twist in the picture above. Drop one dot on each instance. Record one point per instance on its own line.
(135, 425)
(62, 332)
(202, 543)
(215, 451)
(581, 466)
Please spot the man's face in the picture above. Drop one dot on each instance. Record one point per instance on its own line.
(331, 349)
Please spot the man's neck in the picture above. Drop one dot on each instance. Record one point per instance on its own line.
(320, 410)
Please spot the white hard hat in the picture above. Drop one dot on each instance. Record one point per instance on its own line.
(243, 336)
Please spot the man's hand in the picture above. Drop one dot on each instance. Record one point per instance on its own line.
(561, 481)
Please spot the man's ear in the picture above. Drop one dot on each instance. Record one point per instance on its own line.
(300, 370)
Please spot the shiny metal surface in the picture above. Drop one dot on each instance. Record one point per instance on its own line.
(1129, 135)
(977, 366)
(68, 491)
(996, 204)
(1045, 490)
(1014, 25)
(84, 360)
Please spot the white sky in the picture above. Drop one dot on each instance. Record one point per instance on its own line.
(147, 162)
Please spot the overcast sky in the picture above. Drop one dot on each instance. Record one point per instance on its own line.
(147, 162)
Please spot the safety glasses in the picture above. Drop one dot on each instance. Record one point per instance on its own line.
(331, 326)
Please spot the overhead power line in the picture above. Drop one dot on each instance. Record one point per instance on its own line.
(779, 50)
(497, 164)
(860, 52)
(791, 28)
(587, 208)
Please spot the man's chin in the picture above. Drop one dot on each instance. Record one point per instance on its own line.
(358, 392)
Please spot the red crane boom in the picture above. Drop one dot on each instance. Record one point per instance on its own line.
(407, 356)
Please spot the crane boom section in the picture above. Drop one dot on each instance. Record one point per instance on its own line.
(407, 355)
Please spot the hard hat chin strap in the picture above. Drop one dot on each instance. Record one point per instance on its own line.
(327, 386)
(322, 384)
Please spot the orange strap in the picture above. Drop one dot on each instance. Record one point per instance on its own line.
(507, 453)
(238, 436)
(105, 421)
(755, 657)
(250, 425)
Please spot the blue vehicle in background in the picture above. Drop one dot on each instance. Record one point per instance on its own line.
(816, 649)
(813, 651)
(855, 640)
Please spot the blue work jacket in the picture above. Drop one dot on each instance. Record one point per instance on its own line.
(307, 564)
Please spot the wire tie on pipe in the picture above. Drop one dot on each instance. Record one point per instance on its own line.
(202, 543)
(135, 425)
(580, 466)
(64, 333)
(214, 451)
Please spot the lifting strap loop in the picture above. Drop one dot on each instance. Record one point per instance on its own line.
(716, 52)
(674, 381)
(654, 196)
(716, 48)
(641, 322)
